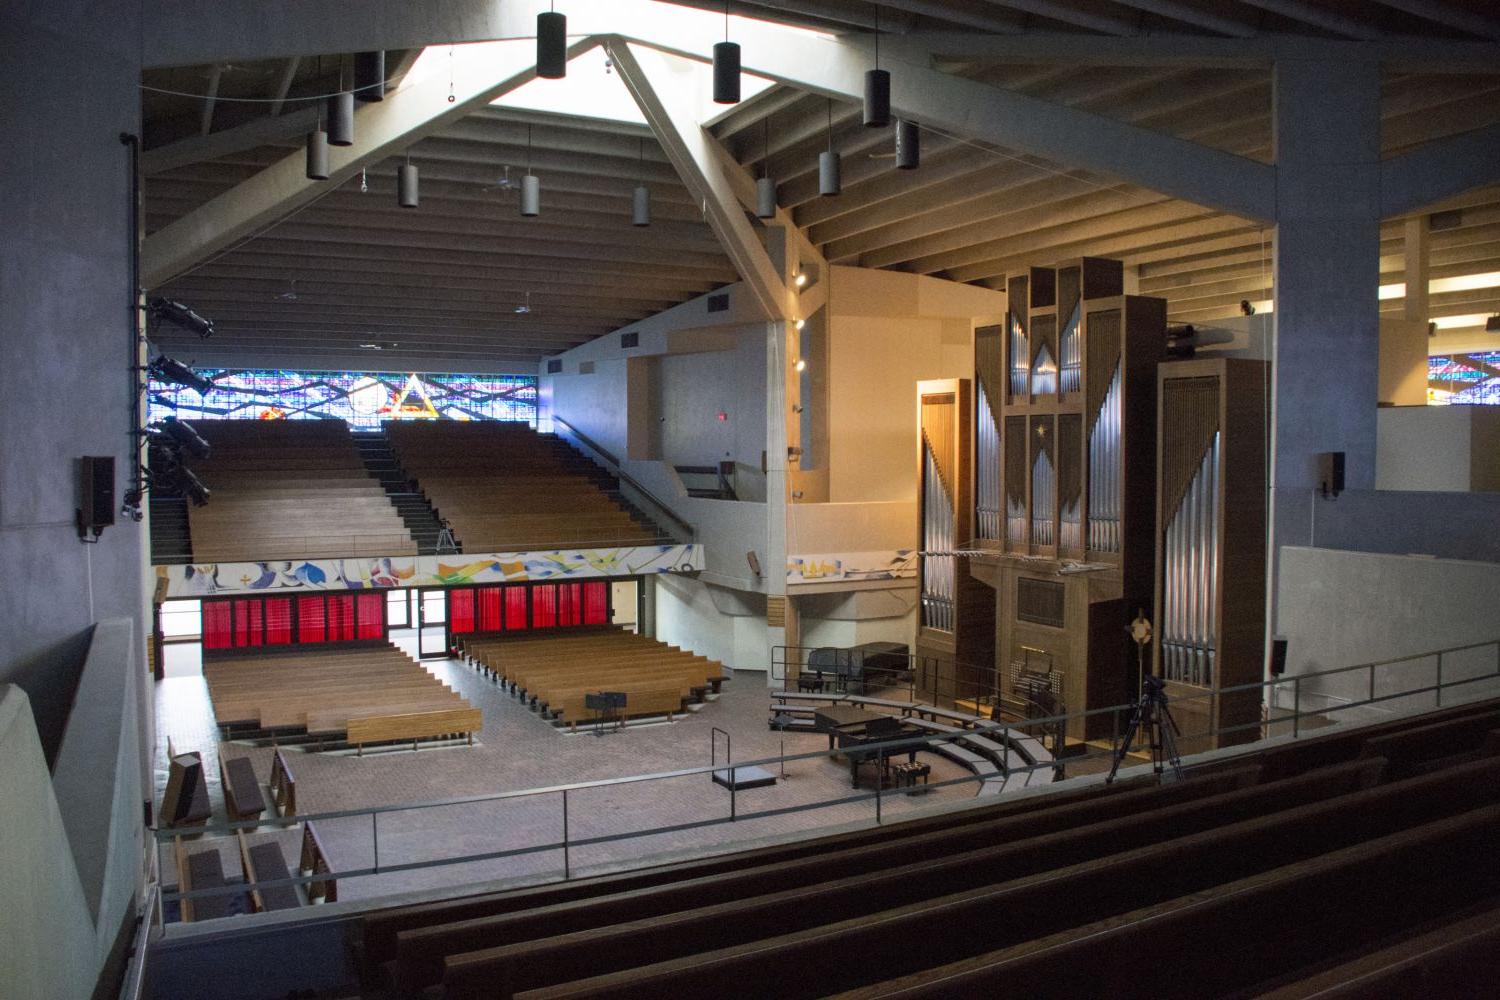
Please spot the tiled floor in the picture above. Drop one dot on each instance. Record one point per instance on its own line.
(517, 750)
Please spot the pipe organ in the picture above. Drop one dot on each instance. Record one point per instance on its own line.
(1065, 406)
(956, 611)
(1210, 566)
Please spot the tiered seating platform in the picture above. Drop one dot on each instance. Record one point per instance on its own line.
(505, 488)
(555, 673)
(290, 490)
(371, 693)
(1352, 855)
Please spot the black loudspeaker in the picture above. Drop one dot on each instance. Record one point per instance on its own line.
(1330, 474)
(96, 505)
(1278, 657)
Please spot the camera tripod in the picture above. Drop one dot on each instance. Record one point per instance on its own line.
(1153, 721)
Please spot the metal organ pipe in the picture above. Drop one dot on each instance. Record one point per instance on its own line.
(1071, 373)
(1019, 354)
(1044, 375)
(1105, 472)
(987, 468)
(1190, 578)
(937, 536)
(1043, 499)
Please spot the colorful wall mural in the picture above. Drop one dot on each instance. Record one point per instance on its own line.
(361, 399)
(891, 564)
(206, 579)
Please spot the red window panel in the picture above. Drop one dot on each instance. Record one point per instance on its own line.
(247, 623)
(216, 625)
(461, 610)
(278, 611)
(515, 608)
(491, 610)
(569, 604)
(596, 604)
(312, 619)
(370, 612)
(341, 618)
(544, 606)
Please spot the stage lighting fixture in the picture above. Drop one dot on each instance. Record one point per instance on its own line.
(1246, 309)
(177, 314)
(186, 436)
(173, 371)
(192, 488)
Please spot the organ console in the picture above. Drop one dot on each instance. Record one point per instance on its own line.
(1064, 414)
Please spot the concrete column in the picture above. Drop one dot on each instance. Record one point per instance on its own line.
(1327, 277)
(1414, 247)
(646, 611)
(779, 336)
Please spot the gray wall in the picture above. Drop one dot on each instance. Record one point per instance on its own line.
(1446, 525)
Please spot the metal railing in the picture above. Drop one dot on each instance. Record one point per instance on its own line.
(563, 799)
(613, 465)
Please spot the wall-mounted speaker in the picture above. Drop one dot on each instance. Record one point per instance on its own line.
(96, 494)
(754, 561)
(1278, 657)
(1330, 474)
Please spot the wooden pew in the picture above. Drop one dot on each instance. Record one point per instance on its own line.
(242, 796)
(414, 726)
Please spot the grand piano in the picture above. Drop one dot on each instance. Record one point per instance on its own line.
(853, 731)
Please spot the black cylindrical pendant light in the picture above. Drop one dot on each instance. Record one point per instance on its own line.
(406, 185)
(341, 119)
(369, 76)
(640, 209)
(726, 67)
(908, 145)
(829, 181)
(551, 45)
(726, 73)
(877, 87)
(317, 155)
(765, 187)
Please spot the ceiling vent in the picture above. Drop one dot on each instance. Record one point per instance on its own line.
(718, 303)
(631, 339)
(554, 366)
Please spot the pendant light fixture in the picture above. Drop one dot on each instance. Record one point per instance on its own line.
(829, 182)
(641, 209)
(341, 116)
(908, 145)
(551, 44)
(369, 76)
(726, 67)
(765, 187)
(406, 184)
(317, 153)
(877, 87)
(531, 185)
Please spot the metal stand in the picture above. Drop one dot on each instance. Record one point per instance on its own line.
(445, 542)
(1154, 721)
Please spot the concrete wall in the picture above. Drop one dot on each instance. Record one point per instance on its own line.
(852, 618)
(1445, 525)
(1339, 609)
(718, 622)
(1430, 447)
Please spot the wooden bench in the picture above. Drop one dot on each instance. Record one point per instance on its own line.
(242, 796)
(283, 786)
(733, 943)
(414, 726)
(265, 863)
(314, 861)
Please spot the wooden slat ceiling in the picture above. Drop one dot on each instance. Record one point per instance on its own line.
(439, 285)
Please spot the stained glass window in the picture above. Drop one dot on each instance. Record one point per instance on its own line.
(362, 399)
(1464, 378)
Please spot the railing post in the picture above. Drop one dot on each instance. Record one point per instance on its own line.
(375, 837)
(567, 865)
(1439, 691)
(1297, 705)
(879, 783)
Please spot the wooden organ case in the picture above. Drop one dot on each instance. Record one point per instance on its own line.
(956, 616)
(1065, 425)
(1211, 545)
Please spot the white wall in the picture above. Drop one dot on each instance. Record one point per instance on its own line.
(1340, 609)
(852, 618)
(722, 624)
(693, 389)
(1438, 448)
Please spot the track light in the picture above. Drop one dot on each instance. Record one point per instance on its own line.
(798, 324)
(829, 181)
(877, 87)
(801, 365)
(317, 155)
(726, 67)
(369, 76)
(175, 372)
(406, 184)
(184, 434)
(800, 279)
(640, 214)
(765, 187)
(341, 119)
(178, 314)
(551, 45)
(531, 185)
(908, 145)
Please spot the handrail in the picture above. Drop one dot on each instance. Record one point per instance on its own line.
(887, 748)
(624, 476)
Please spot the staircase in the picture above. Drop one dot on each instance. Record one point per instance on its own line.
(585, 464)
(171, 542)
(375, 451)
